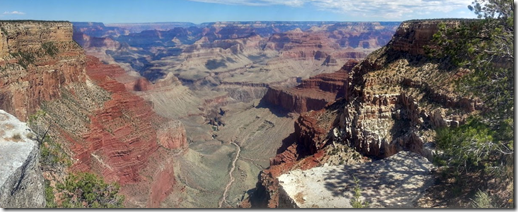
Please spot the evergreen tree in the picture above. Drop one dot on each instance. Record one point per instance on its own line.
(484, 46)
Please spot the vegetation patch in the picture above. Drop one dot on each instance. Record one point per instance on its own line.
(87, 190)
(50, 49)
(24, 58)
(4, 31)
(484, 145)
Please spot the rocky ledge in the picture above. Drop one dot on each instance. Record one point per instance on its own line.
(21, 180)
(313, 93)
(393, 182)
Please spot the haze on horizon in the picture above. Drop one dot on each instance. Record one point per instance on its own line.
(199, 11)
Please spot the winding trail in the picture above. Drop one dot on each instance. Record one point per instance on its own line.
(223, 199)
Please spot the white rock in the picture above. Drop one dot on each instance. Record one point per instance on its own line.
(21, 180)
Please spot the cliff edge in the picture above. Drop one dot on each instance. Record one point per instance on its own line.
(21, 180)
(394, 100)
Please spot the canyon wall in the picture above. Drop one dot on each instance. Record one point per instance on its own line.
(103, 127)
(313, 93)
(37, 60)
(394, 100)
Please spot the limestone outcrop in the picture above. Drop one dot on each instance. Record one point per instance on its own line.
(21, 180)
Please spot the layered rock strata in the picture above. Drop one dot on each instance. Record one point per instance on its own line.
(37, 60)
(313, 93)
(21, 180)
(99, 122)
(394, 100)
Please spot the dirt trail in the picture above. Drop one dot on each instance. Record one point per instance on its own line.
(223, 199)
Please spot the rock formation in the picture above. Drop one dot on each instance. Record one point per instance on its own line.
(394, 182)
(313, 93)
(37, 60)
(102, 125)
(394, 100)
(21, 180)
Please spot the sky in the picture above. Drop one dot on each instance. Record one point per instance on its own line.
(198, 11)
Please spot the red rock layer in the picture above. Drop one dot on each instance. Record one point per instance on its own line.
(123, 140)
(305, 153)
(313, 93)
(119, 140)
(22, 89)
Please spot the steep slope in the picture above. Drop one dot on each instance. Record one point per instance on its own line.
(103, 127)
(395, 98)
(211, 78)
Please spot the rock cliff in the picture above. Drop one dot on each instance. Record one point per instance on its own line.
(21, 180)
(313, 93)
(124, 140)
(394, 100)
(101, 124)
(37, 60)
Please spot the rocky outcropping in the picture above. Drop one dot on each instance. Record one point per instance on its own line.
(99, 122)
(313, 93)
(172, 136)
(394, 182)
(37, 60)
(394, 100)
(21, 180)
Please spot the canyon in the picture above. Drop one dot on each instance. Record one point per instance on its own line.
(104, 128)
(212, 78)
(224, 114)
(171, 112)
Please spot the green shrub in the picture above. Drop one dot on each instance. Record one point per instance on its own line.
(87, 190)
(4, 31)
(355, 201)
(24, 58)
(50, 48)
(482, 200)
(470, 146)
(52, 154)
(49, 195)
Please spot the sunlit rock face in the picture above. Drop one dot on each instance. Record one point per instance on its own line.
(394, 100)
(21, 180)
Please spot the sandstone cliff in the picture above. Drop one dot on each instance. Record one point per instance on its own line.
(21, 180)
(394, 100)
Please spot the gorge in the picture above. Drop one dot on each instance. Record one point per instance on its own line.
(225, 114)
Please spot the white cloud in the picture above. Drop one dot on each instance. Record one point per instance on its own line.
(393, 9)
(13, 13)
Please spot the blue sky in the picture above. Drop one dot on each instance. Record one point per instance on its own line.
(198, 11)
